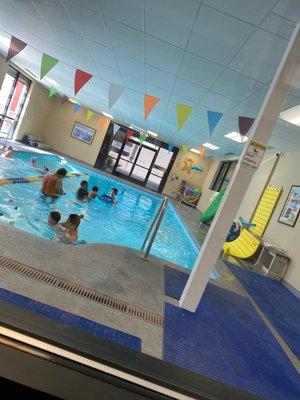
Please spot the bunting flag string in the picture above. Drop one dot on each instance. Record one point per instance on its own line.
(64, 99)
(89, 114)
(16, 45)
(202, 151)
(213, 119)
(114, 93)
(81, 79)
(103, 120)
(149, 103)
(245, 124)
(129, 134)
(170, 147)
(47, 64)
(52, 91)
(143, 137)
(116, 128)
(184, 149)
(183, 112)
(76, 107)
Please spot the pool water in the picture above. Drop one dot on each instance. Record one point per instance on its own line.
(125, 223)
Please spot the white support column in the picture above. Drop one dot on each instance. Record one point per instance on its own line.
(262, 129)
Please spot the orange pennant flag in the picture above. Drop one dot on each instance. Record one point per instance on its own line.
(149, 103)
(202, 151)
(102, 121)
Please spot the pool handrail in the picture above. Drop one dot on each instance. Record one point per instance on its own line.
(154, 228)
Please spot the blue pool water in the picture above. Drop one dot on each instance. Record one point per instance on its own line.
(125, 223)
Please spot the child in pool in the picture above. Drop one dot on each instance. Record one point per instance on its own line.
(82, 192)
(94, 193)
(53, 222)
(71, 225)
(33, 161)
(8, 152)
(111, 197)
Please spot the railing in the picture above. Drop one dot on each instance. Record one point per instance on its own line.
(151, 234)
(5, 118)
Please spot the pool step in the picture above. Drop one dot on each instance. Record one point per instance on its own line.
(81, 291)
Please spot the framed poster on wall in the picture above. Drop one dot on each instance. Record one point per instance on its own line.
(83, 133)
(291, 209)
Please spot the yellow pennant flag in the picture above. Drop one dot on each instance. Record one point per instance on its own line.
(89, 114)
(183, 112)
(184, 149)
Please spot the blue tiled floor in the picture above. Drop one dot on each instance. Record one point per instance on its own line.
(280, 306)
(225, 339)
(66, 318)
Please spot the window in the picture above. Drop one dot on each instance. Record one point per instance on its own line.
(13, 94)
(223, 175)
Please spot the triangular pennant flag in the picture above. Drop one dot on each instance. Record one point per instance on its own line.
(129, 134)
(52, 91)
(47, 64)
(102, 121)
(184, 149)
(170, 147)
(202, 151)
(245, 124)
(213, 119)
(114, 92)
(15, 46)
(81, 78)
(183, 112)
(156, 142)
(89, 114)
(143, 137)
(116, 128)
(149, 103)
(64, 99)
(76, 107)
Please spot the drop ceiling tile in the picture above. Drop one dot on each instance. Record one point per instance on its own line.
(278, 25)
(163, 55)
(289, 9)
(88, 23)
(257, 98)
(282, 144)
(216, 102)
(234, 85)
(84, 63)
(161, 79)
(158, 92)
(126, 40)
(188, 90)
(260, 56)
(198, 70)
(129, 12)
(241, 110)
(217, 36)
(71, 41)
(25, 7)
(252, 11)
(109, 74)
(291, 101)
(130, 66)
(170, 20)
(134, 84)
(229, 122)
(101, 54)
(92, 5)
(54, 13)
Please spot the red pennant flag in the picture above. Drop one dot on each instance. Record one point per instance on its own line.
(129, 134)
(16, 45)
(149, 103)
(64, 99)
(81, 78)
(245, 124)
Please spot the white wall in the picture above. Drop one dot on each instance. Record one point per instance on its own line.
(285, 175)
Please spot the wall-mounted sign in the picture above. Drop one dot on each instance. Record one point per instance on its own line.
(198, 169)
(253, 155)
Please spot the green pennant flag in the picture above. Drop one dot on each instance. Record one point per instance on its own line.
(52, 91)
(184, 149)
(143, 137)
(47, 64)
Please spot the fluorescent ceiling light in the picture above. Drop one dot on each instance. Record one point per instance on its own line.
(237, 137)
(72, 100)
(195, 151)
(210, 146)
(108, 115)
(52, 82)
(292, 115)
(4, 40)
(152, 133)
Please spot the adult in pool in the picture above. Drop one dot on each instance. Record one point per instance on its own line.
(71, 225)
(8, 152)
(52, 185)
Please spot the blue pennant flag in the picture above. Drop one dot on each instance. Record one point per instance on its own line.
(170, 147)
(213, 119)
(76, 107)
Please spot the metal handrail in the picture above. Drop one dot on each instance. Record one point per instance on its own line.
(155, 226)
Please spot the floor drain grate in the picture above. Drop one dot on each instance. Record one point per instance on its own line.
(81, 291)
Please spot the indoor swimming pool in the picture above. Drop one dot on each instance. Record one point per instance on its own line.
(125, 223)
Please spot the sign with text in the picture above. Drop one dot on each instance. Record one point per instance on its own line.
(253, 155)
